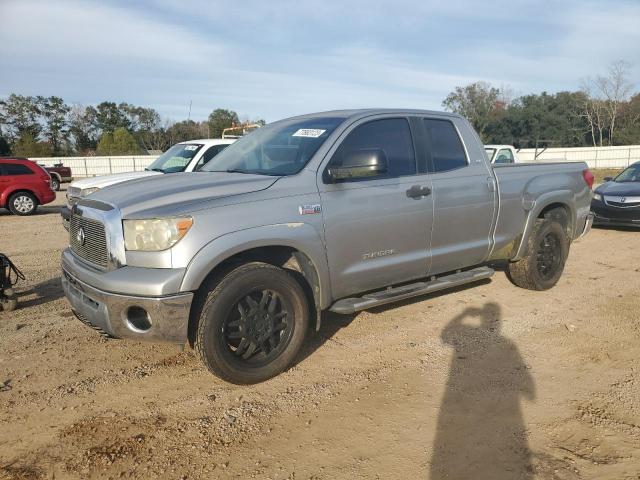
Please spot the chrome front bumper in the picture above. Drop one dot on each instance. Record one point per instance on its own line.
(118, 315)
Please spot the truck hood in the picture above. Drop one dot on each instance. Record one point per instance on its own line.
(106, 180)
(621, 189)
(178, 193)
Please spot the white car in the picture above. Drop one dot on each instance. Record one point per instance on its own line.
(189, 156)
(501, 153)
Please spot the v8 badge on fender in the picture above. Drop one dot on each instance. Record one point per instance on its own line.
(310, 209)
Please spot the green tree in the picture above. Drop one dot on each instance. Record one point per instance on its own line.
(146, 125)
(20, 115)
(476, 102)
(220, 119)
(629, 124)
(5, 148)
(120, 142)
(541, 121)
(186, 130)
(83, 126)
(28, 146)
(56, 128)
(110, 117)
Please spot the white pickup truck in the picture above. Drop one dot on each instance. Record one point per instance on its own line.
(189, 156)
(501, 154)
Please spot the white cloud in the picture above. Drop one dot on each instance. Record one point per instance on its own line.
(67, 29)
(273, 59)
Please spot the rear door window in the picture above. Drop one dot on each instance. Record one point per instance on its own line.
(445, 147)
(16, 169)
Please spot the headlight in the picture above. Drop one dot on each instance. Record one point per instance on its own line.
(154, 234)
(88, 191)
(597, 196)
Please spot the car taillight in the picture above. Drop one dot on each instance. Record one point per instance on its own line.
(588, 178)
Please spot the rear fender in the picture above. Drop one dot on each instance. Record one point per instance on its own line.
(561, 197)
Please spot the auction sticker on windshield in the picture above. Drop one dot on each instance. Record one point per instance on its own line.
(191, 147)
(309, 132)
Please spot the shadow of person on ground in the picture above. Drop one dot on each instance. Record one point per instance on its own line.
(481, 432)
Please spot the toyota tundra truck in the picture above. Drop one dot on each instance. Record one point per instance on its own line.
(339, 211)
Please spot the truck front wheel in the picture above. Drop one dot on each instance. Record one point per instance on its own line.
(252, 324)
(547, 250)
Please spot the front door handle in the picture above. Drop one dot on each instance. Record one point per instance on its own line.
(418, 191)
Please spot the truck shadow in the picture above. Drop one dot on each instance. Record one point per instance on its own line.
(481, 432)
(45, 292)
(332, 323)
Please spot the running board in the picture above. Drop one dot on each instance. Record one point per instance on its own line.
(352, 305)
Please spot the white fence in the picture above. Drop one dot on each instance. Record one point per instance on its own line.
(94, 166)
(596, 157)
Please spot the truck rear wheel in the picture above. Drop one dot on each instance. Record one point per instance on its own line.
(547, 251)
(55, 183)
(252, 324)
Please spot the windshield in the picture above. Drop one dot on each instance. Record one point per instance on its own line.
(490, 152)
(282, 148)
(176, 158)
(631, 174)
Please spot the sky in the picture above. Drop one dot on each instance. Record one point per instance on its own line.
(274, 59)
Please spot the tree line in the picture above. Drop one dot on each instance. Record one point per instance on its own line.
(604, 111)
(37, 126)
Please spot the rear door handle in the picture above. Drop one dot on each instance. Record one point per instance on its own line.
(418, 191)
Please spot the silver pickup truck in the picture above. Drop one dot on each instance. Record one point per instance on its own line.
(340, 211)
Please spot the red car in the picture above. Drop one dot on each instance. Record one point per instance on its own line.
(23, 186)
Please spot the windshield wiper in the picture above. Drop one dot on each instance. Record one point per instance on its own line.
(154, 170)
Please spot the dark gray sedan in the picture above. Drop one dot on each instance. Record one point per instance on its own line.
(617, 201)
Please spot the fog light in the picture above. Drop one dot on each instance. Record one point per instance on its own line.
(138, 319)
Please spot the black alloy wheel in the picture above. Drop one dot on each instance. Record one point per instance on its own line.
(258, 327)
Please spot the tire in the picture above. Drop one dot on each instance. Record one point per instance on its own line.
(22, 203)
(547, 251)
(55, 184)
(252, 324)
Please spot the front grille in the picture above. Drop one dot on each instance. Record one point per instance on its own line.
(623, 205)
(94, 247)
(622, 202)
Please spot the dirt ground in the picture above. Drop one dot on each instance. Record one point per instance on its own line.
(488, 382)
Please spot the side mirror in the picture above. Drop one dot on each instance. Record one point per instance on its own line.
(360, 164)
(607, 179)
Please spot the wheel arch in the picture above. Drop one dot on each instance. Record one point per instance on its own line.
(557, 205)
(11, 193)
(300, 253)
